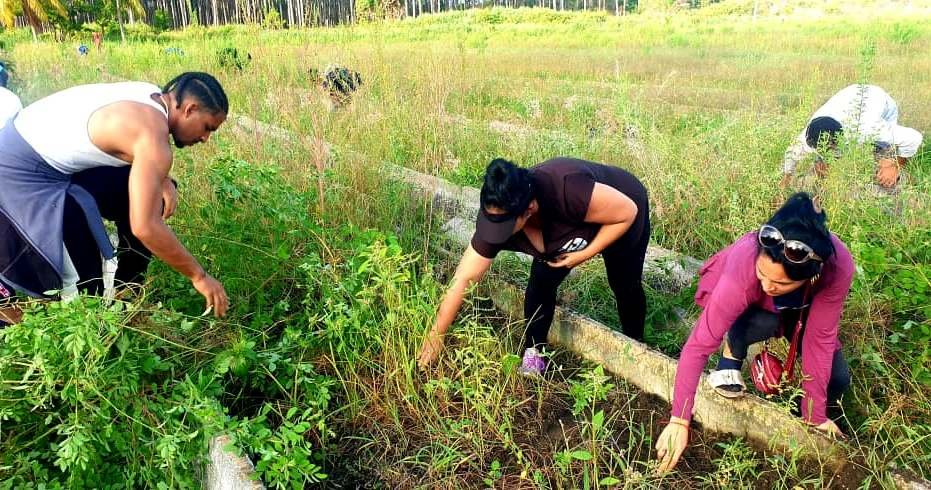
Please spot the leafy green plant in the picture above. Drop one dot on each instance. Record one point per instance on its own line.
(737, 467)
(231, 58)
(90, 399)
(272, 19)
(592, 388)
(903, 34)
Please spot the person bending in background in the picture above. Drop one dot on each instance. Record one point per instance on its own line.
(755, 289)
(562, 213)
(339, 83)
(865, 114)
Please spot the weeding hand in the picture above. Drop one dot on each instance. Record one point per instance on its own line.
(213, 292)
(671, 444)
(570, 259)
(888, 173)
(432, 346)
(830, 428)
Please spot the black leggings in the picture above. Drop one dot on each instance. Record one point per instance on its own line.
(109, 187)
(757, 324)
(624, 266)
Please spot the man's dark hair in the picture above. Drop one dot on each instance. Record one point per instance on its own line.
(507, 186)
(798, 219)
(201, 86)
(822, 130)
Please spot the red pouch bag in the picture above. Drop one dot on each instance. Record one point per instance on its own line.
(767, 370)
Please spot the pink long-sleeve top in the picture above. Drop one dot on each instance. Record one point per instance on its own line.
(728, 285)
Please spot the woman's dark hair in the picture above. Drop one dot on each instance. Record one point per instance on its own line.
(203, 87)
(507, 186)
(798, 219)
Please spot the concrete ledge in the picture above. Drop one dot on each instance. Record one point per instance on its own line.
(227, 471)
(905, 481)
(449, 199)
(653, 372)
(246, 125)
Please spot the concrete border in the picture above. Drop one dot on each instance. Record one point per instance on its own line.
(227, 470)
(247, 125)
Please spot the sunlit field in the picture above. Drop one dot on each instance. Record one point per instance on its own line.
(314, 371)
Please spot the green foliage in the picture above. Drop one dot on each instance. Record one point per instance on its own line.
(593, 387)
(900, 280)
(161, 20)
(272, 19)
(346, 304)
(231, 58)
(737, 467)
(903, 33)
(92, 399)
(285, 457)
(372, 10)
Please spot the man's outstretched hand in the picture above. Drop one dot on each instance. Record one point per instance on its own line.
(213, 293)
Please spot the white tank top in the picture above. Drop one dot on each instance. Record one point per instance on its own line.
(56, 126)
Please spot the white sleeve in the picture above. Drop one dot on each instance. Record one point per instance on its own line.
(795, 153)
(906, 141)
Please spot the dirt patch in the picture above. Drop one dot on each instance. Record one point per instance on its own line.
(545, 425)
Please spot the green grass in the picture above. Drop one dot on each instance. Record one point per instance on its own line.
(315, 363)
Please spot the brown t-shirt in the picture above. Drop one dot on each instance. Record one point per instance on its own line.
(563, 189)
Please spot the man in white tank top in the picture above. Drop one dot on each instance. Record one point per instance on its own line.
(112, 142)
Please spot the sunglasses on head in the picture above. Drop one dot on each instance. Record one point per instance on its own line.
(794, 251)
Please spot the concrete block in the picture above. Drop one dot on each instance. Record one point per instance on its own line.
(448, 198)
(905, 481)
(227, 471)
(246, 125)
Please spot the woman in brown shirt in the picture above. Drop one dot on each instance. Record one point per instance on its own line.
(561, 212)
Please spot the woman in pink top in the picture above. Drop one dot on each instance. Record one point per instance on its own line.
(755, 289)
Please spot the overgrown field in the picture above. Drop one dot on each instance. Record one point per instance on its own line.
(313, 372)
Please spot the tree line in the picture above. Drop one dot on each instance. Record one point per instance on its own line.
(110, 15)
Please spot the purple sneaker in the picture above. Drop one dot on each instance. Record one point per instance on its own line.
(533, 363)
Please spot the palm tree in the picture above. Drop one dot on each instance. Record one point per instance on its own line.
(134, 6)
(34, 11)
